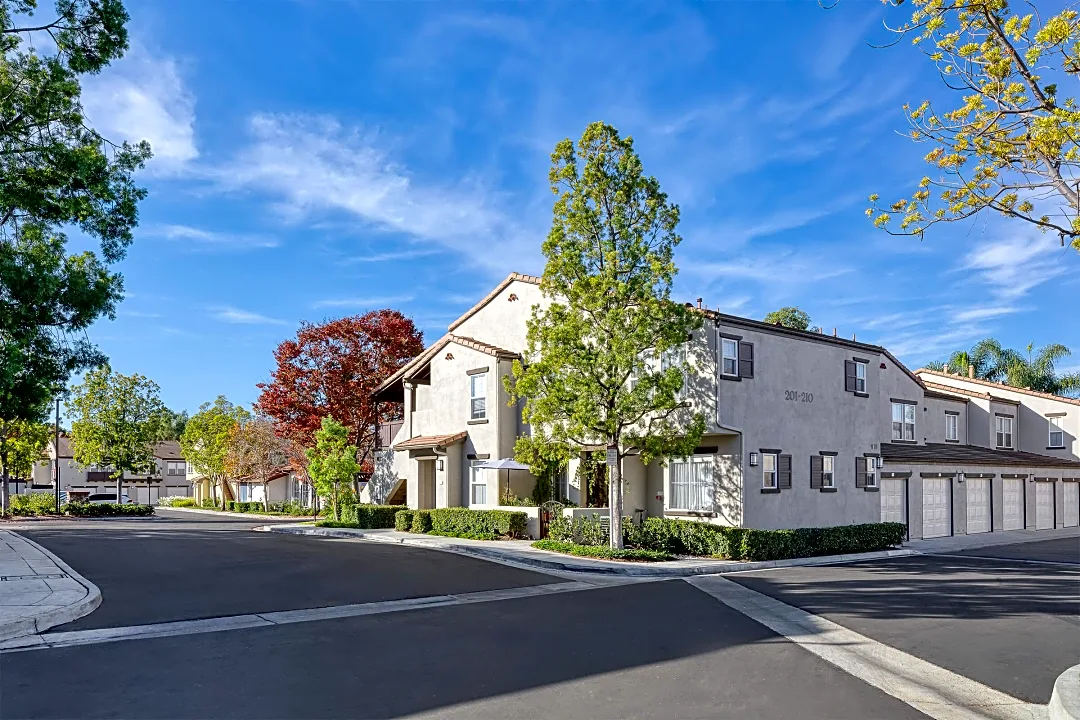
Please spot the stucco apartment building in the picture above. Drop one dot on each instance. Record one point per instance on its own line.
(169, 476)
(803, 429)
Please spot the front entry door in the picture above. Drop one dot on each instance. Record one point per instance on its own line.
(426, 471)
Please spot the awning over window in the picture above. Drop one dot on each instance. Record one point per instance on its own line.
(424, 442)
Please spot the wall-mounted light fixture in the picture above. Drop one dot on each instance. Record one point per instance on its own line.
(439, 463)
(753, 459)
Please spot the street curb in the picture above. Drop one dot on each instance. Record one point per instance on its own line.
(51, 617)
(625, 570)
(1065, 701)
(228, 513)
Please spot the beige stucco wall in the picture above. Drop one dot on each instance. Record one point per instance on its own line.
(502, 322)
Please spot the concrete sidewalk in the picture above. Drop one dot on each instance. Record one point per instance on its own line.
(38, 590)
(521, 553)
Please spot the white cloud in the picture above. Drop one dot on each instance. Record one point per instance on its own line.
(237, 316)
(982, 313)
(364, 302)
(1014, 266)
(142, 97)
(390, 256)
(313, 164)
(208, 239)
(139, 314)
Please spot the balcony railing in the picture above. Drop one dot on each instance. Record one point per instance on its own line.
(386, 433)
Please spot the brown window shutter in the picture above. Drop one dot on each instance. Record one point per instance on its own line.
(849, 375)
(783, 471)
(746, 360)
(860, 472)
(817, 470)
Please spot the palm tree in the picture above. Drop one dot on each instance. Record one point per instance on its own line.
(1035, 371)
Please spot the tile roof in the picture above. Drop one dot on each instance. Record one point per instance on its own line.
(948, 390)
(951, 454)
(533, 279)
(429, 353)
(430, 441)
(1003, 386)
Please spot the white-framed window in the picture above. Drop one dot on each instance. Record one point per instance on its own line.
(860, 377)
(245, 492)
(768, 470)
(871, 471)
(176, 468)
(691, 484)
(729, 357)
(952, 427)
(828, 471)
(477, 484)
(1057, 432)
(562, 484)
(903, 421)
(478, 396)
(674, 357)
(1004, 430)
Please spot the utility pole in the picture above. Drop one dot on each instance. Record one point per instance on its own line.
(56, 452)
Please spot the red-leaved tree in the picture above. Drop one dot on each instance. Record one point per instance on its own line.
(331, 369)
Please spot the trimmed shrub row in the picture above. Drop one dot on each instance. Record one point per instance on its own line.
(367, 517)
(106, 510)
(463, 523)
(602, 551)
(244, 507)
(177, 501)
(687, 537)
(33, 504)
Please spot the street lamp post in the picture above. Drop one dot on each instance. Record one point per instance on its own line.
(56, 453)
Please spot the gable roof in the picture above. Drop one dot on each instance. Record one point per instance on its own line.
(1002, 386)
(950, 454)
(514, 276)
(430, 352)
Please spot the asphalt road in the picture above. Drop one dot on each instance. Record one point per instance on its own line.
(1013, 626)
(1058, 550)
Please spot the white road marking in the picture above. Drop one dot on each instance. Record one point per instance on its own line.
(284, 617)
(932, 690)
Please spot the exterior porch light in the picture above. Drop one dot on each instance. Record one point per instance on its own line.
(439, 464)
(753, 459)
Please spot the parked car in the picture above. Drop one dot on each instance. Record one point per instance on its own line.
(102, 498)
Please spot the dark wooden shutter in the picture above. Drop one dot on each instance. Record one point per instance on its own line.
(783, 471)
(746, 360)
(817, 471)
(860, 472)
(849, 375)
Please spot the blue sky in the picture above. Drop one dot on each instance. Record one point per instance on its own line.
(317, 158)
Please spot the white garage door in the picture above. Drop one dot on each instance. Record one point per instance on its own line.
(893, 507)
(978, 505)
(1012, 515)
(936, 520)
(1044, 505)
(1071, 490)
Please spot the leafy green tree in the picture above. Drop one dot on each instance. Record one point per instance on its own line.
(789, 317)
(117, 419)
(587, 378)
(1008, 143)
(332, 462)
(173, 427)
(545, 459)
(206, 440)
(21, 443)
(55, 173)
(256, 452)
(1033, 369)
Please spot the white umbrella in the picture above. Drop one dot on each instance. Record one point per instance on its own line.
(507, 464)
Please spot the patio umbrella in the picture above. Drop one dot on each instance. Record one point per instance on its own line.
(506, 464)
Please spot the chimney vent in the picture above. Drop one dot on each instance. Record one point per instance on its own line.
(699, 303)
(971, 371)
(946, 369)
(834, 332)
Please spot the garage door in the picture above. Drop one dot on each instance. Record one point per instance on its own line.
(936, 520)
(1071, 491)
(1044, 505)
(893, 505)
(1012, 510)
(978, 505)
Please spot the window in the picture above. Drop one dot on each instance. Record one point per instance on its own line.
(860, 377)
(477, 484)
(828, 475)
(478, 396)
(871, 469)
(562, 484)
(176, 468)
(903, 421)
(768, 470)
(1004, 431)
(729, 350)
(952, 432)
(675, 357)
(691, 484)
(1057, 432)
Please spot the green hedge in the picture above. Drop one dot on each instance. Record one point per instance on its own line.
(184, 502)
(421, 521)
(403, 520)
(602, 551)
(687, 537)
(106, 510)
(465, 522)
(377, 516)
(244, 507)
(33, 504)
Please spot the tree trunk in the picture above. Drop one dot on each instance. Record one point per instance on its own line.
(120, 488)
(615, 506)
(266, 497)
(5, 501)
